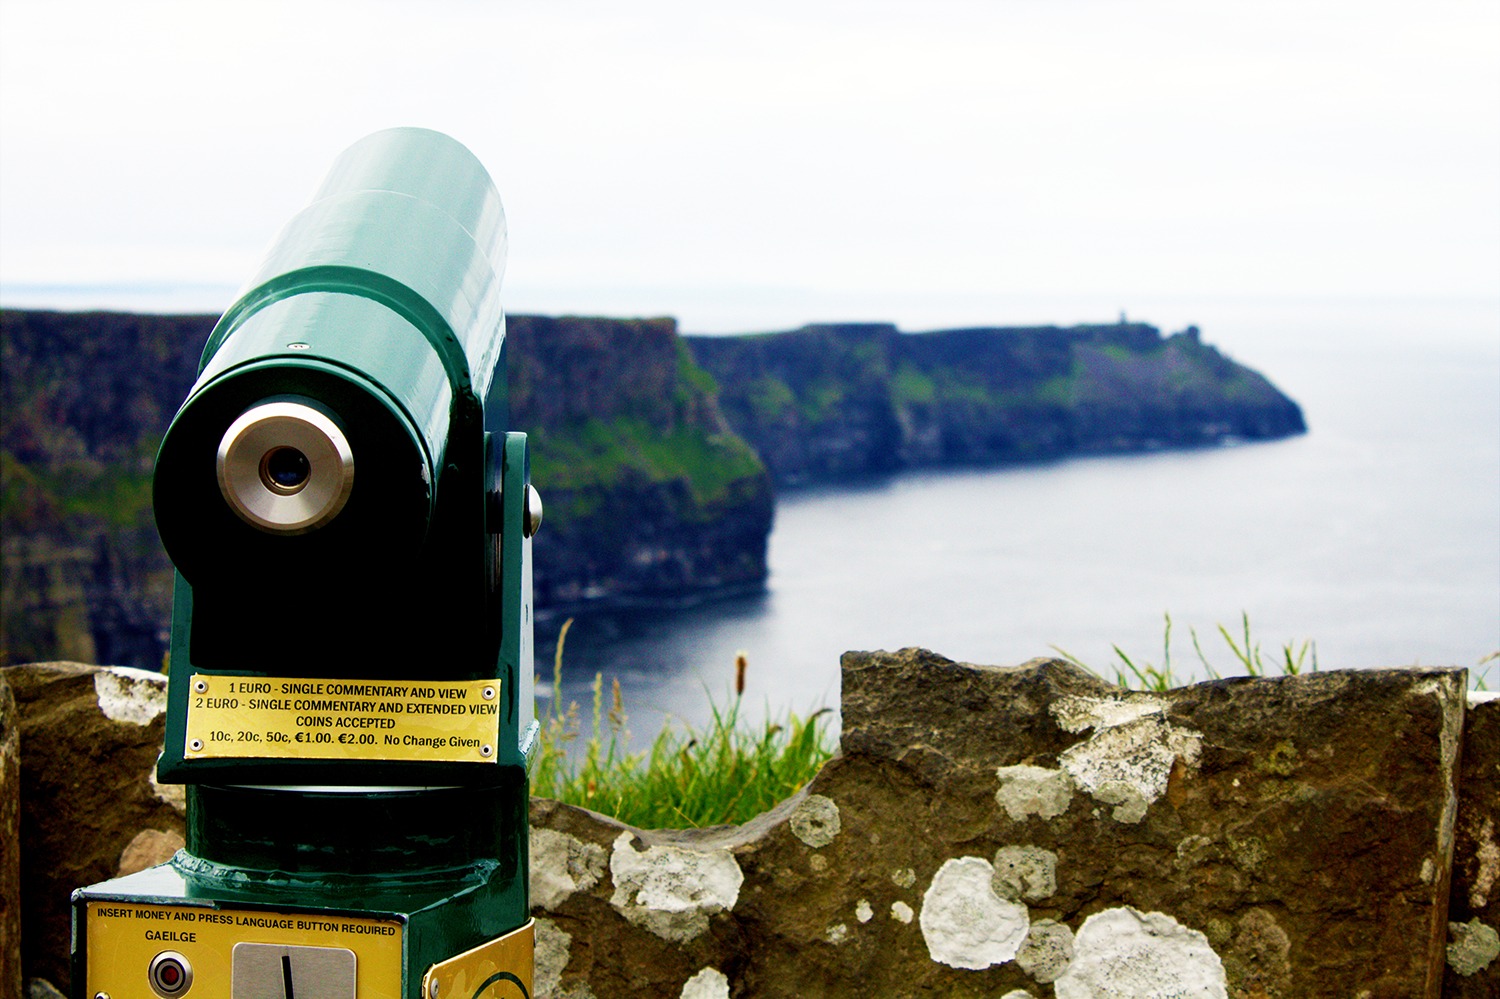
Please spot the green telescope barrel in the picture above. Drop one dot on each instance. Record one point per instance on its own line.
(375, 315)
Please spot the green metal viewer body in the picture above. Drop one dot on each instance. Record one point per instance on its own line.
(350, 692)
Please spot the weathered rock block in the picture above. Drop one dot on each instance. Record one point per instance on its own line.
(1473, 970)
(89, 739)
(986, 830)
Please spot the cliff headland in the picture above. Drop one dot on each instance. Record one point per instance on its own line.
(655, 453)
(832, 401)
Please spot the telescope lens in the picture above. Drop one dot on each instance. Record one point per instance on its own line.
(284, 470)
(285, 467)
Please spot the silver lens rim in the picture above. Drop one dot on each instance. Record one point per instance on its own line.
(254, 436)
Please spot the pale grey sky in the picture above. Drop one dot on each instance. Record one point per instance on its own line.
(791, 161)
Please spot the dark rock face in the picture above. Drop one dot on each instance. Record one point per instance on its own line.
(1266, 814)
(90, 809)
(10, 838)
(1473, 966)
(835, 401)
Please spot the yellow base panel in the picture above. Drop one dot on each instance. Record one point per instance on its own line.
(138, 951)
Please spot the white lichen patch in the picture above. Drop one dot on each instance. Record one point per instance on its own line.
(837, 934)
(1450, 697)
(1488, 856)
(710, 983)
(561, 865)
(671, 890)
(1076, 714)
(1028, 872)
(553, 950)
(965, 924)
(1248, 852)
(1027, 790)
(1120, 953)
(903, 877)
(1472, 946)
(1018, 994)
(129, 695)
(172, 794)
(863, 912)
(901, 912)
(818, 863)
(1128, 765)
(1195, 850)
(816, 821)
(1047, 952)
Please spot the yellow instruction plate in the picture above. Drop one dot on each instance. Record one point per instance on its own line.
(235, 717)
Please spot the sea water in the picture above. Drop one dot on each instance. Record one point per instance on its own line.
(1375, 537)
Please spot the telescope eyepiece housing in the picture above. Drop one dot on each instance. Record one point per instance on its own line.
(285, 467)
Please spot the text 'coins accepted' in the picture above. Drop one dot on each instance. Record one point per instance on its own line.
(236, 717)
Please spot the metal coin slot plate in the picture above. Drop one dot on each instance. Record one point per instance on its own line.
(285, 971)
(500, 969)
(123, 938)
(238, 717)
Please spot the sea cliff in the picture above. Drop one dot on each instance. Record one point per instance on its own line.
(654, 453)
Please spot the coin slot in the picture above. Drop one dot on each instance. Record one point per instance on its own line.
(288, 971)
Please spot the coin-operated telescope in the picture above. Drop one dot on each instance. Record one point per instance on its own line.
(350, 693)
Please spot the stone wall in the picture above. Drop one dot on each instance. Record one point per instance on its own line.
(985, 831)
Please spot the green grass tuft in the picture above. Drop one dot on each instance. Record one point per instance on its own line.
(1290, 659)
(727, 772)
